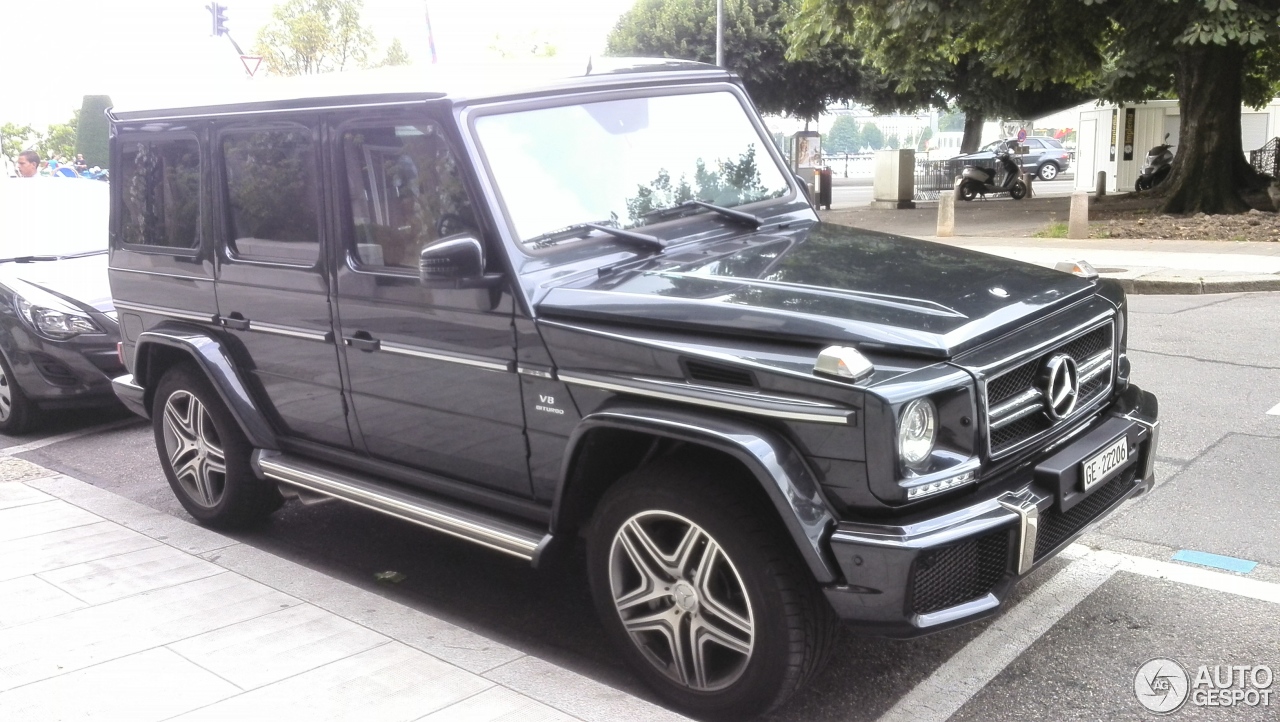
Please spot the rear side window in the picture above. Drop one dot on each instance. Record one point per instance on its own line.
(271, 195)
(160, 193)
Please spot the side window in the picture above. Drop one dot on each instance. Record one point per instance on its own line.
(160, 189)
(406, 191)
(272, 195)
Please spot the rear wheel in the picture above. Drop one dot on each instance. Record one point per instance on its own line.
(1018, 190)
(707, 600)
(1142, 184)
(17, 413)
(1048, 171)
(204, 454)
(967, 191)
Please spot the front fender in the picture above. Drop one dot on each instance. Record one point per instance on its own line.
(776, 465)
(213, 358)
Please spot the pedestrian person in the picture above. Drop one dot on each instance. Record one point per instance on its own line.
(28, 164)
(81, 164)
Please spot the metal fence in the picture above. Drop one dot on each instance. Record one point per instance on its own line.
(934, 177)
(1266, 159)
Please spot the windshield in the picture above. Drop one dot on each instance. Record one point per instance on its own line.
(52, 216)
(617, 162)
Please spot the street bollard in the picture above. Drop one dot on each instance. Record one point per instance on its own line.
(946, 214)
(1078, 225)
(1102, 184)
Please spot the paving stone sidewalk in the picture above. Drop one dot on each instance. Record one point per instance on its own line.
(110, 610)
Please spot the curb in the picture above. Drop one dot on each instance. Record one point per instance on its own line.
(1152, 286)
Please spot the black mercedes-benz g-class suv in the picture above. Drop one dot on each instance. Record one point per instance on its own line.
(522, 310)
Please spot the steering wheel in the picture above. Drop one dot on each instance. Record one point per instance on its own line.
(451, 223)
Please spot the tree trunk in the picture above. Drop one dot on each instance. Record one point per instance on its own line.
(973, 122)
(1210, 173)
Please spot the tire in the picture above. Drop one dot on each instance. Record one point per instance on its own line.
(17, 413)
(740, 589)
(1142, 184)
(1048, 171)
(966, 191)
(1018, 190)
(196, 433)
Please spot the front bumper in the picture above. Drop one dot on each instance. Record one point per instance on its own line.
(905, 581)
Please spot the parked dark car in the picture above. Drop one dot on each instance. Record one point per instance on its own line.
(598, 306)
(58, 330)
(1045, 157)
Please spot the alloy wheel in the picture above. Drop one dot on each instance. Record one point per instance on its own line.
(1048, 172)
(6, 396)
(681, 600)
(194, 450)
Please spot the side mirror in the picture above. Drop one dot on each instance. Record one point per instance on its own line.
(455, 262)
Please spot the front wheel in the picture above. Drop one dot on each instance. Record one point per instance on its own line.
(1142, 184)
(205, 455)
(1018, 191)
(967, 191)
(17, 413)
(706, 599)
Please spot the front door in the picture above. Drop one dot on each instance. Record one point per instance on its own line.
(430, 372)
(273, 292)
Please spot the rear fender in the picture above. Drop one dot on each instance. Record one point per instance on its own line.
(210, 354)
(776, 466)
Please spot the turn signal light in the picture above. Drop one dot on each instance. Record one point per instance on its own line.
(942, 485)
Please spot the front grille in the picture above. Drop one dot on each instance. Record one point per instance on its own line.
(1056, 527)
(1014, 394)
(959, 573)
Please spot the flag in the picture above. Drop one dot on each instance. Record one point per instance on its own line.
(431, 38)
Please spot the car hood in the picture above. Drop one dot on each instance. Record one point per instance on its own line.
(827, 283)
(82, 281)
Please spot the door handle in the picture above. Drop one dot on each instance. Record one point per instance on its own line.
(363, 341)
(236, 322)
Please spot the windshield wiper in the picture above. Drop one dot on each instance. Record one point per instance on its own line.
(739, 217)
(47, 257)
(582, 230)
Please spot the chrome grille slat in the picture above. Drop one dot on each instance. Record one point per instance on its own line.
(1015, 404)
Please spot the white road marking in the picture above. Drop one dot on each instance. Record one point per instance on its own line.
(962, 676)
(40, 443)
(1275, 410)
(972, 668)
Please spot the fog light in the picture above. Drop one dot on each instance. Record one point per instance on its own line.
(941, 485)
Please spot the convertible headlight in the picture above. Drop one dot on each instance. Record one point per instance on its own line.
(56, 323)
(917, 431)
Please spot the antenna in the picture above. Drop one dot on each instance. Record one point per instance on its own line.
(589, 58)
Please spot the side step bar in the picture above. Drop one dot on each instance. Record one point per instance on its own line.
(505, 535)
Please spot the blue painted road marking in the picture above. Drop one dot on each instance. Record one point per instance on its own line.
(1217, 561)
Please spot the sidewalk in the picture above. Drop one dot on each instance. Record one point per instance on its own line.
(1142, 266)
(110, 610)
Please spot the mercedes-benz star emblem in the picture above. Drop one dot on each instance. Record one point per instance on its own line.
(1061, 384)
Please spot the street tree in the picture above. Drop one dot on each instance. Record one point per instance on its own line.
(305, 37)
(873, 137)
(59, 140)
(396, 54)
(755, 48)
(843, 136)
(92, 129)
(14, 139)
(1213, 55)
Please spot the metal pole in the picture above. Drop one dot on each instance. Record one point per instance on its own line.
(720, 33)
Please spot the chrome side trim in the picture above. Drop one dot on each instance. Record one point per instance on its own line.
(440, 516)
(1028, 528)
(960, 611)
(290, 331)
(161, 274)
(418, 352)
(164, 311)
(814, 412)
(540, 373)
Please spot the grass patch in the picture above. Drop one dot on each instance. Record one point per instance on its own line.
(1053, 230)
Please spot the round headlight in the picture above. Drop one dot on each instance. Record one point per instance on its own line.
(917, 430)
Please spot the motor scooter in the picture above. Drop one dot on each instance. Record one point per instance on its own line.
(975, 181)
(1156, 169)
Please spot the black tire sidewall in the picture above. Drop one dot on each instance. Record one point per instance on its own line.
(755, 554)
(22, 413)
(245, 498)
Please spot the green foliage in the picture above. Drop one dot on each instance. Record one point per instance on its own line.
(755, 48)
(844, 136)
(951, 121)
(925, 135)
(873, 137)
(305, 37)
(396, 55)
(92, 130)
(14, 139)
(731, 183)
(522, 46)
(59, 141)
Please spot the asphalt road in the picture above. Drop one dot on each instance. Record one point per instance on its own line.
(1068, 649)
(852, 193)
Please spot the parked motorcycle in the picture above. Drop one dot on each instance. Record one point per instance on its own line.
(1156, 169)
(975, 181)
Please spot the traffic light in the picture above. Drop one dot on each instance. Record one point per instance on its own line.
(219, 13)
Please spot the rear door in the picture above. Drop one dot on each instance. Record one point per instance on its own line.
(273, 290)
(431, 372)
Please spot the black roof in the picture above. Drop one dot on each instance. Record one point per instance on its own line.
(412, 83)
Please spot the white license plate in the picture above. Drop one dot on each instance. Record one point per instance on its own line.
(1098, 467)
